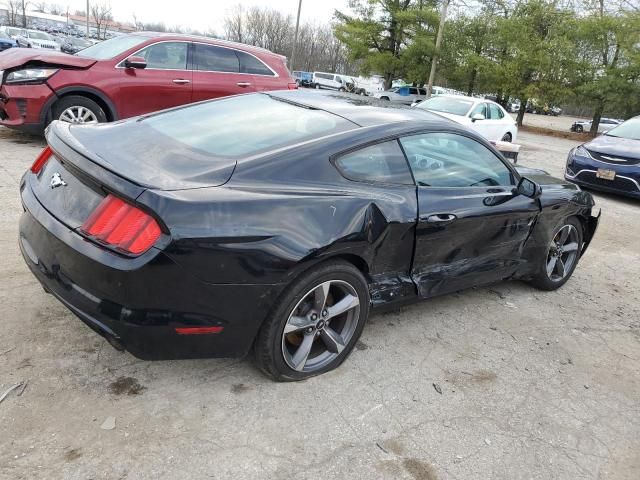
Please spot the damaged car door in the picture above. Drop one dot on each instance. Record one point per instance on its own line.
(471, 224)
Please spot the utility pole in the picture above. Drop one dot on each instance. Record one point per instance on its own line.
(87, 18)
(295, 36)
(434, 60)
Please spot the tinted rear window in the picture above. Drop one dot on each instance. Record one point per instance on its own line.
(245, 125)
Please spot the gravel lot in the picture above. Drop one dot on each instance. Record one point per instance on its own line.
(562, 123)
(534, 385)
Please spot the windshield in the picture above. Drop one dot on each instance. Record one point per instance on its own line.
(39, 36)
(245, 125)
(455, 106)
(629, 129)
(112, 47)
(12, 31)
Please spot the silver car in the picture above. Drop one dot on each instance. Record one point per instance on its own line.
(605, 125)
(406, 95)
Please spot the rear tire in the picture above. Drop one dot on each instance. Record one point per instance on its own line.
(82, 109)
(316, 86)
(384, 98)
(579, 129)
(563, 251)
(281, 355)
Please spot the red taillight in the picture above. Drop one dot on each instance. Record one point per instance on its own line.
(44, 156)
(122, 226)
(292, 86)
(198, 330)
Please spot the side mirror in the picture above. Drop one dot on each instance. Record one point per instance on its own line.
(477, 116)
(528, 188)
(135, 62)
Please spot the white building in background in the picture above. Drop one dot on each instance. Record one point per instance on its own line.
(35, 18)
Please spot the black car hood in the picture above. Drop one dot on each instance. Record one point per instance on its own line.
(144, 156)
(616, 146)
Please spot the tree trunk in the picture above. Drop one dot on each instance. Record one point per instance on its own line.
(523, 108)
(596, 118)
(472, 82)
(388, 81)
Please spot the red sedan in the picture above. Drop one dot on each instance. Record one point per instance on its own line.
(130, 75)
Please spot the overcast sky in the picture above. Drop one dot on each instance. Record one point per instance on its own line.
(207, 14)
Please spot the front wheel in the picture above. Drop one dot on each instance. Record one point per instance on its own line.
(317, 87)
(561, 256)
(507, 137)
(316, 323)
(579, 128)
(78, 109)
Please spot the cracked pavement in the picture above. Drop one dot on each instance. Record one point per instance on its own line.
(535, 385)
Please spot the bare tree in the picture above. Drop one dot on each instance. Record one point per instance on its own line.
(101, 13)
(57, 9)
(13, 6)
(40, 7)
(233, 24)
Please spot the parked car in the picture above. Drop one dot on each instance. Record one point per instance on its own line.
(514, 107)
(74, 45)
(405, 95)
(605, 125)
(329, 81)
(303, 79)
(370, 85)
(36, 39)
(610, 162)
(483, 116)
(533, 106)
(9, 32)
(6, 43)
(130, 75)
(194, 232)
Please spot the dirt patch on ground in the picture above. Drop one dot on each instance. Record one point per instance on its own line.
(126, 386)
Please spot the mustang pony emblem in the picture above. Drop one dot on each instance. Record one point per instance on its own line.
(57, 181)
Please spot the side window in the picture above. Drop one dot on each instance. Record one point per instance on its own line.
(215, 59)
(250, 64)
(383, 163)
(423, 91)
(413, 91)
(451, 160)
(480, 108)
(166, 55)
(496, 112)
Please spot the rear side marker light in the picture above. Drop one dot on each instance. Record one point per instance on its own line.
(292, 86)
(198, 330)
(42, 159)
(120, 225)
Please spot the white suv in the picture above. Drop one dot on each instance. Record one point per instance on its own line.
(406, 95)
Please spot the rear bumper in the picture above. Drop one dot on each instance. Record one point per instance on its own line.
(137, 307)
(21, 106)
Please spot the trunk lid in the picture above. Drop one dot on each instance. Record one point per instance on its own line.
(144, 156)
(17, 57)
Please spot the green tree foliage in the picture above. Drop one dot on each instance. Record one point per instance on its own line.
(608, 50)
(394, 38)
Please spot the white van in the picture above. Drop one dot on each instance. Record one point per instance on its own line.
(329, 81)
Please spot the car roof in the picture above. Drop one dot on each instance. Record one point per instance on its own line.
(362, 111)
(201, 38)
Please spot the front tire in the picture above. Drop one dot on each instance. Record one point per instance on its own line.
(579, 129)
(561, 257)
(315, 324)
(317, 87)
(78, 109)
(507, 137)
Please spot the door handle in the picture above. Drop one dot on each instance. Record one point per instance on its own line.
(181, 81)
(244, 84)
(441, 218)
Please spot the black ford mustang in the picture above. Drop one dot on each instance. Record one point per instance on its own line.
(277, 221)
